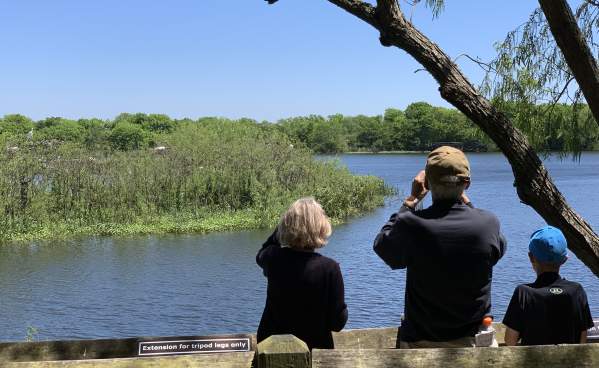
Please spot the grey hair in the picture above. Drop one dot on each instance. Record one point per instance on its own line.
(449, 187)
(450, 179)
(305, 225)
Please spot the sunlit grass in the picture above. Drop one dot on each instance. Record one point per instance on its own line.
(214, 176)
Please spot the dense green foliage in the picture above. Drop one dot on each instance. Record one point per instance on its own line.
(422, 126)
(100, 177)
(554, 127)
(415, 129)
(150, 173)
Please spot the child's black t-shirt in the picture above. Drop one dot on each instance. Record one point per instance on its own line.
(551, 310)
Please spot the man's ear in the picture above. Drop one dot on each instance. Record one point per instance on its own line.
(531, 258)
(466, 182)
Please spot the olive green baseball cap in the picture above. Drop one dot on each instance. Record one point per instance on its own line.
(446, 163)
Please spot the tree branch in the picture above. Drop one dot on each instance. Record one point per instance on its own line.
(358, 8)
(533, 183)
(484, 66)
(577, 53)
(387, 10)
(559, 96)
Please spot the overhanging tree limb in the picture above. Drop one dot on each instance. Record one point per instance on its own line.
(360, 9)
(533, 183)
(573, 45)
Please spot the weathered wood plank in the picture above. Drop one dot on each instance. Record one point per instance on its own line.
(371, 338)
(68, 350)
(383, 338)
(82, 349)
(229, 360)
(505, 357)
(368, 338)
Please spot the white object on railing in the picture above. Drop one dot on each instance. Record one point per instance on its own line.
(486, 334)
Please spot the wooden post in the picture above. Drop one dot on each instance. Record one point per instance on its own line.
(282, 351)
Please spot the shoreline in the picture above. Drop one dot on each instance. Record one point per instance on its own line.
(163, 225)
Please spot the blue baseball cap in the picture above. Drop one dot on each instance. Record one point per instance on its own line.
(549, 245)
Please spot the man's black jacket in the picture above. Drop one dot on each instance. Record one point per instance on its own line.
(449, 250)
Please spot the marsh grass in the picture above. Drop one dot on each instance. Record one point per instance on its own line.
(214, 175)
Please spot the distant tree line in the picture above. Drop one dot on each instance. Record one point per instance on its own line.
(419, 127)
(126, 132)
(416, 128)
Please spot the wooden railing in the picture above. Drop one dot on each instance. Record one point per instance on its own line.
(353, 348)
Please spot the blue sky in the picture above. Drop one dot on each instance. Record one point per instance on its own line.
(235, 58)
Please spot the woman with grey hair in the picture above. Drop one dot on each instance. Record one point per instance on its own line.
(305, 294)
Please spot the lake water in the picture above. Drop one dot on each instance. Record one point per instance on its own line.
(209, 284)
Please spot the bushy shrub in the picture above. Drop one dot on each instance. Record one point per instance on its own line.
(126, 136)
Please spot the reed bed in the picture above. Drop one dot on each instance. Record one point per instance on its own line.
(212, 175)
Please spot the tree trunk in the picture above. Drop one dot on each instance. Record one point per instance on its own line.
(532, 181)
(573, 45)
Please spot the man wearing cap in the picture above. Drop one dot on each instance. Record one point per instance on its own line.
(551, 310)
(449, 250)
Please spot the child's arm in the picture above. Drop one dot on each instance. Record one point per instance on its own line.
(583, 337)
(587, 319)
(512, 336)
(514, 320)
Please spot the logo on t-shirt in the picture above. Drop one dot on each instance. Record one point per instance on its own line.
(556, 290)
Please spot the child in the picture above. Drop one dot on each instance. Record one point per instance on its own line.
(305, 294)
(551, 310)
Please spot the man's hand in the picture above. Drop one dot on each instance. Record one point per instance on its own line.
(419, 190)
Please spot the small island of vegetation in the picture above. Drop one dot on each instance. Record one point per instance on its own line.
(143, 173)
